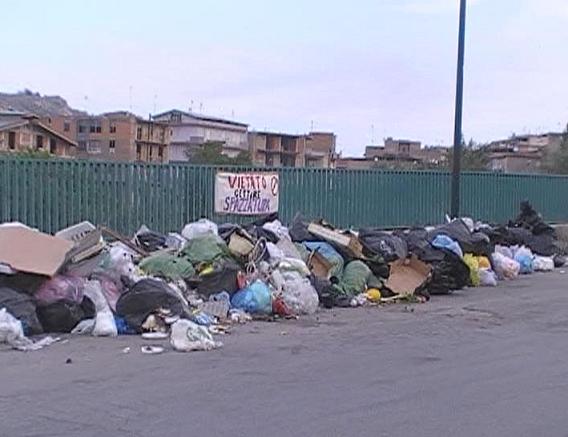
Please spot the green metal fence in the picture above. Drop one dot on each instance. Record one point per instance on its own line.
(52, 194)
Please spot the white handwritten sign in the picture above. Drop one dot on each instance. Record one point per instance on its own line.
(246, 193)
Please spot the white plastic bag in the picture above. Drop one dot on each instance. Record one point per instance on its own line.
(187, 336)
(275, 254)
(505, 267)
(84, 327)
(299, 295)
(543, 263)
(487, 278)
(504, 250)
(10, 328)
(277, 229)
(12, 332)
(200, 228)
(294, 264)
(105, 326)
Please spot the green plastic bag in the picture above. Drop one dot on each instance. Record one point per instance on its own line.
(167, 266)
(356, 276)
(205, 249)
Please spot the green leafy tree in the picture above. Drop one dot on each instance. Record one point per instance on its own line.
(29, 153)
(211, 153)
(474, 157)
(556, 161)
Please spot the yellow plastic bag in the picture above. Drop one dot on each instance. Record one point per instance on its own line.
(483, 262)
(473, 265)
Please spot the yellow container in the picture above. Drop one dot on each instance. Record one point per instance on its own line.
(374, 295)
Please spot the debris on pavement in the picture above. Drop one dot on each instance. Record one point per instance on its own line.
(192, 285)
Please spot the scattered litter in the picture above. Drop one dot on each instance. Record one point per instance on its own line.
(187, 336)
(152, 350)
(155, 335)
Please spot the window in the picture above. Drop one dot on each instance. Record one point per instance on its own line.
(161, 152)
(82, 145)
(99, 129)
(139, 133)
(39, 141)
(82, 128)
(111, 146)
(12, 140)
(94, 147)
(66, 126)
(112, 129)
(49, 120)
(138, 152)
(52, 146)
(92, 128)
(151, 150)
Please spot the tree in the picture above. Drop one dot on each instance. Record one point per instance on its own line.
(556, 161)
(29, 154)
(474, 157)
(211, 153)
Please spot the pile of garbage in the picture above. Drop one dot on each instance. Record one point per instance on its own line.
(191, 286)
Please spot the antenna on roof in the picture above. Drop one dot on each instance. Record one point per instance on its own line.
(130, 97)
(191, 106)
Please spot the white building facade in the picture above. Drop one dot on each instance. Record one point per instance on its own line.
(190, 131)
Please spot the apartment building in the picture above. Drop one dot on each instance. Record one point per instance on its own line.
(522, 154)
(190, 131)
(276, 149)
(21, 132)
(115, 136)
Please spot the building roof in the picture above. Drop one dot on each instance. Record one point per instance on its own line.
(24, 120)
(278, 134)
(201, 117)
(11, 124)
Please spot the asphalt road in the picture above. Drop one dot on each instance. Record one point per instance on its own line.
(483, 362)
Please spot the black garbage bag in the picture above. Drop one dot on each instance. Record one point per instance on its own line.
(418, 244)
(63, 315)
(223, 277)
(145, 297)
(151, 241)
(530, 219)
(476, 243)
(298, 230)
(544, 244)
(388, 246)
(449, 271)
(225, 230)
(450, 274)
(23, 308)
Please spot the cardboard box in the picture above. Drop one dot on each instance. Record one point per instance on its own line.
(349, 243)
(30, 251)
(319, 265)
(407, 275)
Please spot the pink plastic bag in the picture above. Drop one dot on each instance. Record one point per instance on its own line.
(61, 288)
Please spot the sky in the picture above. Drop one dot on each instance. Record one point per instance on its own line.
(364, 69)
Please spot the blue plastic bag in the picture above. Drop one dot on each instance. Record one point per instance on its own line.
(254, 299)
(445, 242)
(525, 258)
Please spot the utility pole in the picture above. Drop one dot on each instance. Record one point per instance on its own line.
(456, 169)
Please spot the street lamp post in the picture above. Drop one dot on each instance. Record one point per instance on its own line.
(456, 168)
